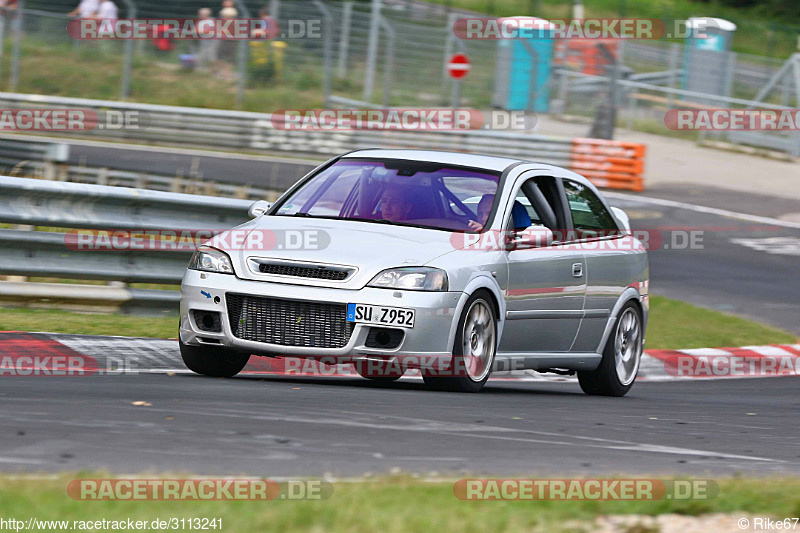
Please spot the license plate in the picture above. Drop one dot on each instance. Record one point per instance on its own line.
(376, 314)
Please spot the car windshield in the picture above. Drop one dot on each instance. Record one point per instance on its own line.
(410, 193)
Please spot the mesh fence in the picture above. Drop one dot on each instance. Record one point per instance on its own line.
(414, 41)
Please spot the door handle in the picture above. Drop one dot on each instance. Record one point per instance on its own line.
(577, 270)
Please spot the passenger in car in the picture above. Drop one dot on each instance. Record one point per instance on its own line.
(520, 217)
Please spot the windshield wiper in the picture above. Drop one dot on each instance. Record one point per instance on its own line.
(373, 220)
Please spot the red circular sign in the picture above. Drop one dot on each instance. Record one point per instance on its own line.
(458, 66)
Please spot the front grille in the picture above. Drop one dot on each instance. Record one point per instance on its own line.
(303, 272)
(289, 322)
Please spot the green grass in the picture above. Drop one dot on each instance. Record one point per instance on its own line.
(56, 321)
(62, 70)
(391, 505)
(677, 325)
(672, 325)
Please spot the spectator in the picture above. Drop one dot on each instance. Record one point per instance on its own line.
(109, 14)
(208, 47)
(107, 10)
(205, 24)
(8, 8)
(228, 10)
(86, 9)
(270, 29)
(163, 44)
(227, 48)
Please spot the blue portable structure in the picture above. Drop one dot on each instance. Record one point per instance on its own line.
(524, 66)
(706, 55)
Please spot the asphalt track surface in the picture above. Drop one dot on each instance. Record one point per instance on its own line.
(281, 426)
(344, 427)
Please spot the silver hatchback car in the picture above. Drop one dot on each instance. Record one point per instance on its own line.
(455, 264)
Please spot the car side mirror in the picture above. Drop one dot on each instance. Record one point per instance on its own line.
(259, 208)
(531, 237)
(622, 218)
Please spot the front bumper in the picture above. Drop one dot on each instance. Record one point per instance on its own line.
(432, 334)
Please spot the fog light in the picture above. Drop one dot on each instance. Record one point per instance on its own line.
(208, 321)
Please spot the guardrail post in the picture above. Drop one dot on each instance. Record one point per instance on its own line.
(344, 39)
(559, 106)
(372, 50)
(674, 57)
(242, 56)
(388, 62)
(127, 60)
(2, 40)
(327, 70)
(20, 227)
(448, 51)
(17, 22)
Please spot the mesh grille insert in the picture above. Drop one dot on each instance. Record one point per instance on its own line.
(289, 322)
(303, 272)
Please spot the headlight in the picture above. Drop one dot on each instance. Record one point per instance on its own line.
(412, 279)
(211, 260)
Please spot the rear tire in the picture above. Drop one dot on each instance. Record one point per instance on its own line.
(621, 357)
(212, 361)
(474, 348)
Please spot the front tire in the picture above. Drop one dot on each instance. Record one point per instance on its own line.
(473, 350)
(212, 361)
(621, 357)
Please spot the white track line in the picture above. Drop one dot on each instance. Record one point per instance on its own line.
(703, 209)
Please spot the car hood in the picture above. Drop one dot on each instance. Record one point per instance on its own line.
(363, 248)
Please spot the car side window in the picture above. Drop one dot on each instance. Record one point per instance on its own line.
(590, 217)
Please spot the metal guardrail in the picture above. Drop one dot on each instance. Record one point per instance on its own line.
(80, 205)
(247, 131)
(48, 254)
(40, 156)
(49, 160)
(31, 151)
(57, 254)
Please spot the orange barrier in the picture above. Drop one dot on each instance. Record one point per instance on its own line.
(609, 164)
(585, 55)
